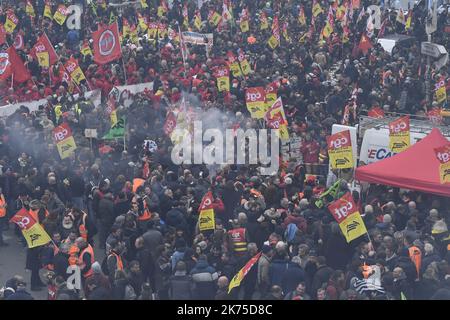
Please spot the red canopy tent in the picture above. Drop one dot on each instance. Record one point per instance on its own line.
(416, 168)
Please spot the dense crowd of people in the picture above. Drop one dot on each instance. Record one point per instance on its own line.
(146, 236)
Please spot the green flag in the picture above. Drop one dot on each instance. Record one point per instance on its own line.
(117, 131)
(332, 191)
(112, 18)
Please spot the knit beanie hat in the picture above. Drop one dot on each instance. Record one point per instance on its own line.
(96, 268)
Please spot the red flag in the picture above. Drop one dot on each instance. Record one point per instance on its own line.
(2, 34)
(18, 41)
(21, 73)
(376, 112)
(5, 66)
(106, 44)
(206, 202)
(170, 124)
(52, 56)
(365, 44)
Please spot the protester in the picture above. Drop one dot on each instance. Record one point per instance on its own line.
(141, 226)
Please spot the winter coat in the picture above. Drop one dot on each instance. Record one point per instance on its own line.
(180, 286)
(286, 274)
(20, 295)
(204, 277)
(321, 276)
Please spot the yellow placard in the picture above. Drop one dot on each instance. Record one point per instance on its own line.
(59, 17)
(270, 99)
(48, 12)
(244, 26)
(66, 147)
(86, 50)
(215, 19)
(273, 42)
(353, 227)
(245, 66)
(77, 75)
(152, 33)
(327, 30)
(9, 26)
(206, 220)
(161, 11)
(317, 9)
(144, 4)
(341, 158)
(43, 59)
(444, 172)
(223, 84)
(36, 236)
(198, 22)
(257, 109)
(399, 142)
(264, 24)
(235, 69)
(441, 94)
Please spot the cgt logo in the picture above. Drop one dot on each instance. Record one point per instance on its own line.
(444, 157)
(254, 95)
(61, 134)
(398, 127)
(23, 223)
(71, 67)
(107, 42)
(343, 211)
(338, 143)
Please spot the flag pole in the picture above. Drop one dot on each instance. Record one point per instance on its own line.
(124, 71)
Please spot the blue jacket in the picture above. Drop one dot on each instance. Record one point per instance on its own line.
(20, 295)
(285, 274)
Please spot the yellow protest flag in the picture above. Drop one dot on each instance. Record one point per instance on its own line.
(60, 15)
(206, 220)
(317, 9)
(198, 22)
(245, 66)
(235, 69)
(29, 9)
(340, 150)
(215, 19)
(273, 42)
(353, 227)
(66, 147)
(48, 12)
(144, 4)
(32, 231)
(43, 59)
(237, 279)
(399, 134)
(244, 26)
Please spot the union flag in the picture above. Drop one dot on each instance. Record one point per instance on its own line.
(106, 44)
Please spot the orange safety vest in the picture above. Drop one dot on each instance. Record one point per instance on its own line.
(137, 182)
(2, 206)
(416, 257)
(35, 214)
(238, 240)
(147, 215)
(119, 260)
(82, 228)
(81, 263)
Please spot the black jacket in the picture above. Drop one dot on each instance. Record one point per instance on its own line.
(180, 287)
(61, 262)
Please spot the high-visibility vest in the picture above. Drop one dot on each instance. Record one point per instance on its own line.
(137, 182)
(238, 240)
(35, 214)
(2, 206)
(147, 215)
(416, 257)
(119, 263)
(82, 228)
(81, 263)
